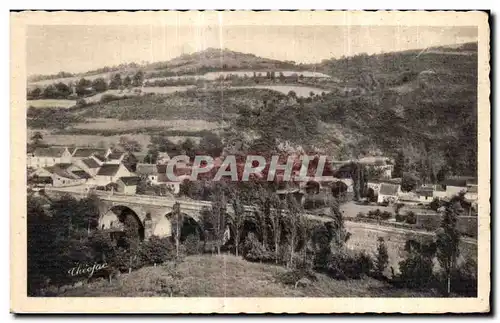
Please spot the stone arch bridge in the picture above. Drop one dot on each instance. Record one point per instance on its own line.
(152, 213)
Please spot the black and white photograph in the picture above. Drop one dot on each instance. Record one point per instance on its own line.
(233, 155)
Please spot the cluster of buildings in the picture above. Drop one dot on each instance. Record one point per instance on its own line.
(390, 191)
(96, 168)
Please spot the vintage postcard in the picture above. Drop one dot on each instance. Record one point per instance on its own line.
(250, 162)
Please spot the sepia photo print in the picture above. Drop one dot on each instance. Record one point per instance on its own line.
(204, 161)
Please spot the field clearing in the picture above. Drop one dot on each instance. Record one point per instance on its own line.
(68, 80)
(50, 103)
(212, 76)
(351, 209)
(364, 237)
(90, 140)
(166, 89)
(115, 124)
(301, 91)
(230, 276)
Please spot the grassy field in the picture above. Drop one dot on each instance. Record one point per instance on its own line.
(89, 140)
(230, 276)
(301, 91)
(351, 209)
(50, 103)
(364, 237)
(115, 124)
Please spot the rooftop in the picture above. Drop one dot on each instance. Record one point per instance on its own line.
(146, 169)
(90, 163)
(389, 189)
(130, 180)
(108, 170)
(87, 152)
(49, 152)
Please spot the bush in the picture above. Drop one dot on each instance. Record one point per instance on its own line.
(416, 271)
(463, 279)
(110, 97)
(344, 265)
(382, 259)
(253, 250)
(291, 277)
(156, 251)
(360, 215)
(385, 215)
(193, 245)
(411, 218)
(400, 217)
(377, 214)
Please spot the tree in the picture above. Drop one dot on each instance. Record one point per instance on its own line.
(408, 182)
(211, 144)
(294, 213)
(448, 239)
(189, 148)
(263, 214)
(276, 219)
(238, 219)
(177, 220)
(138, 78)
(36, 139)
(339, 232)
(35, 93)
(82, 87)
(50, 92)
(99, 85)
(217, 216)
(63, 90)
(399, 165)
(127, 81)
(382, 259)
(115, 82)
(129, 145)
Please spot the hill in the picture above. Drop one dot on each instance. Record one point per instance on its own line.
(422, 103)
(208, 60)
(230, 276)
(214, 59)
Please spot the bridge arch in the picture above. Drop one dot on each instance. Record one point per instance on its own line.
(123, 218)
(191, 225)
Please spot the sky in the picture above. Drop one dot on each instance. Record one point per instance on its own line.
(55, 48)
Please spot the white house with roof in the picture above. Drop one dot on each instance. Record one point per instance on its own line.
(110, 173)
(90, 165)
(100, 153)
(62, 174)
(43, 157)
(388, 193)
(153, 173)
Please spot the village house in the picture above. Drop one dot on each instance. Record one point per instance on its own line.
(43, 157)
(120, 157)
(152, 173)
(162, 158)
(439, 192)
(62, 174)
(375, 186)
(41, 177)
(388, 193)
(384, 165)
(99, 154)
(90, 165)
(127, 184)
(471, 194)
(425, 194)
(110, 173)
